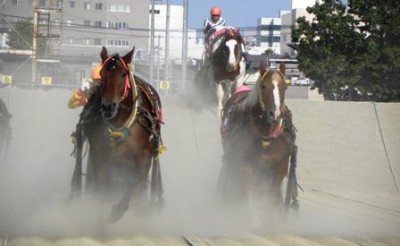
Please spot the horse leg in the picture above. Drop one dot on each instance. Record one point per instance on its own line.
(135, 186)
(220, 97)
(249, 189)
(240, 79)
(276, 189)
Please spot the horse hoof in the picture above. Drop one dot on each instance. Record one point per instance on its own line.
(116, 214)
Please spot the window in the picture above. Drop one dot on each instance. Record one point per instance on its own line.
(14, 2)
(119, 8)
(97, 41)
(86, 22)
(86, 5)
(117, 25)
(117, 42)
(71, 4)
(99, 6)
(97, 23)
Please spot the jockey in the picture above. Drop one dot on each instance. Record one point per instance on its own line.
(211, 24)
(214, 21)
(81, 95)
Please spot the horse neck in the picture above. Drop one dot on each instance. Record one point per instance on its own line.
(252, 99)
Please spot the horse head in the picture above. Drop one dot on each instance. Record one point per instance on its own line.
(271, 92)
(234, 48)
(227, 46)
(115, 82)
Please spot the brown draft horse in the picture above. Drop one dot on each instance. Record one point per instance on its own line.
(258, 139)
(124, 137)
(226, 65)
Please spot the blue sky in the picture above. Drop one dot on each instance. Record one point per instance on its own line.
(239, 13)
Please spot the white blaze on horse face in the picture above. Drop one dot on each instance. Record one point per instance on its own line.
(277, 99)
(231, 44)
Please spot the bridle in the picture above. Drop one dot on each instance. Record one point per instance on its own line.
(238, 57)
(113, 62)
(260, 79)
(276, 125)
(129, 84)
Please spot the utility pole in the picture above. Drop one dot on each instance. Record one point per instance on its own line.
(158, 57)
(184, 44)
(152, 44)
(34, 41)
(45, 33)
(166, 58)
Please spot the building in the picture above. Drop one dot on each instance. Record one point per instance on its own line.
(269, 34)
(70, 34)
(195, 43)
(298, 9)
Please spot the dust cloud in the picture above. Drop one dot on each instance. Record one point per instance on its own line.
(35, 178)
(35, 175)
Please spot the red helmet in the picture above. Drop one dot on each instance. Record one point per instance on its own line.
(215, 11)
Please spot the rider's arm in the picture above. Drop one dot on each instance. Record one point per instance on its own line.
(206, 26)
(80, 96)
(77, 99)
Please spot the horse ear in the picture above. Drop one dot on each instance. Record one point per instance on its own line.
(282, 67)
(128, 57)
(263, 69)
(104, 54)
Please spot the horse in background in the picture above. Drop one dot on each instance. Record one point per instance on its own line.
(224, 63)
(124, 135)
(258, 139)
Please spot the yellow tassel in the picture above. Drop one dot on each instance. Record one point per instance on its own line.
(265, 144)
(161, 148)
(115, 133)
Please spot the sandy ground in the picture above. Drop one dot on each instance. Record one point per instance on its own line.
(349, 166)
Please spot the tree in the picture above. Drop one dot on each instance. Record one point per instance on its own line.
(21, 35)
(269, 52)
(340, 52)
(381, 24)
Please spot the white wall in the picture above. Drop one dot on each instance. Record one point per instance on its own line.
(302, 4)
(275, 46)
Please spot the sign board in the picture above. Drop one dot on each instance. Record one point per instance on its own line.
(163, 84)
(6, 79)
(47, 80)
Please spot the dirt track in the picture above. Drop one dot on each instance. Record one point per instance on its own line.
(349, 162)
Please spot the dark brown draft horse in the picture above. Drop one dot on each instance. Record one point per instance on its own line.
(258, 139)
(124, 138)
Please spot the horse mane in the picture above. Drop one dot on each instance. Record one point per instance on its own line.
(233, 33)
(252, 98)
